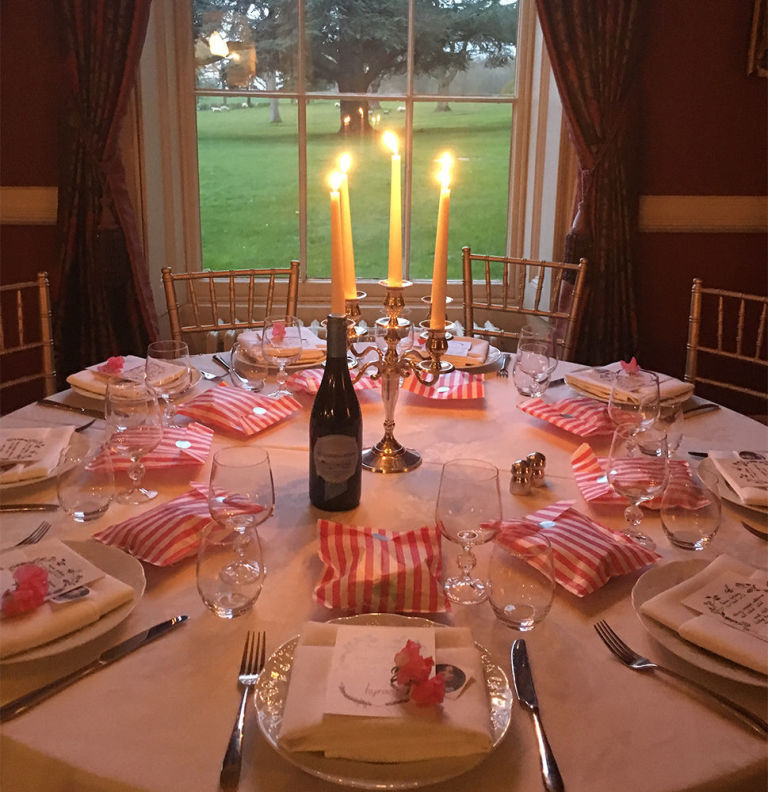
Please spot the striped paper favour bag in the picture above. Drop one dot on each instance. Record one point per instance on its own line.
(586, 554)
(237, 411)
(371, 570)
(454, 385)
(580, 416)
(309, 381)
(188, 445)
(163, 535)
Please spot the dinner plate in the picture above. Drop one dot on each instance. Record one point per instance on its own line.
(271, 693)
(724, 488)
(195, 376)
(11, 485)
(112, 561)
(489, 364)
(661, 578)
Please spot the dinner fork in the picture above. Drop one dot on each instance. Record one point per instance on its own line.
(210, 376)
(36, 535)
(251, 666)
(639, 663)
(504, 370)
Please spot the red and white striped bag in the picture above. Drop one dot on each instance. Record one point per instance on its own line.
(454, 385)
(589, 472)
(238, 411)
(580, 416)
(308, 381)
(371, 570)
(179, 446)
(586, 554)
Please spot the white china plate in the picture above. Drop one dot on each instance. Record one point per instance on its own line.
(661, 578)
(10, 485)
(112, 561)
(725, 490)
(489, 364)
(270, 699)
(194, 373)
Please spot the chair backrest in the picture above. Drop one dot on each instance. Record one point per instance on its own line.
(729, 329)
(510, 291)
(227, 300)
(26, 334)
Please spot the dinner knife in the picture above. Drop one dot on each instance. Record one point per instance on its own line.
(29, 700)
(90, 412)
(700, 408)
(27, 507)
(526, 694)
(220, 360)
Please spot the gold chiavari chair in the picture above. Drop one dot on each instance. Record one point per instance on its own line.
(509, 292)
(26, 334)
(228, 300)
(727, 344)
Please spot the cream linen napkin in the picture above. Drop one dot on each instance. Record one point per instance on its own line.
(95, 381)
(467, 351)
(748, 478)
(597, 382)
(51, 621)
(36, 452)
(458, 727)
(312, 346)
(707, 631)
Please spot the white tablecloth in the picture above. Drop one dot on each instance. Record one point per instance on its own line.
(160, 719)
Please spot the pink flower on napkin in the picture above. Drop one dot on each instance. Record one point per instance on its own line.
(28, 594)
(278, 331)
(113, 365)
(631, 368)
(411, 666)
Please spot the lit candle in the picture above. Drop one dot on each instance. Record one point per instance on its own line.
(395, 272)
(440, 271)
(350, 287)
(337, 265)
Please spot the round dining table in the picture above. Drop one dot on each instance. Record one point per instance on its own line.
(159, 719)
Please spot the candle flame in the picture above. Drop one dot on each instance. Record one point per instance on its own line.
(390, 141)
(360, 110)
(444, 176)
(345, 161)
(335, 180)
(346, 120)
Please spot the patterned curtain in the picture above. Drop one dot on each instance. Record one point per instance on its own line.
(593, 46)
(105, 304)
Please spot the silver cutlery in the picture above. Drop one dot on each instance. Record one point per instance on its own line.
(91, 413)
(29, 700)
(36, 535)
(28, 507)
(752, 530)
(637, 662)
(251, 666)
(217, 358)
(556, 382)
(504, 370)
(526, 695)
(207, 375)
(698, 409)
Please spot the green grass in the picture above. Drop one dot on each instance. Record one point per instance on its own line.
(249, 185)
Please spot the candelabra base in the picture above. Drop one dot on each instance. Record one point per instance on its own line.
(390, 457)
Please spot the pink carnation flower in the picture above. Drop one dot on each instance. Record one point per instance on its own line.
(28, 594)
(429, 692)
(632, 367)
(411, 666)
(113, 365)
(278, 331)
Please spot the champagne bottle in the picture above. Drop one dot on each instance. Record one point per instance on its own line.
(335, 430)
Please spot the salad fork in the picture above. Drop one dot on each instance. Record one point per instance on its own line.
(504, 370)
(251, 666)
(36, 535)
(639, 663)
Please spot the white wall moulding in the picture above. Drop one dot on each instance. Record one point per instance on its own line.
(696, 214)
(28, 205)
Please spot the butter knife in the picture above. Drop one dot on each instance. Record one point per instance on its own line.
(29, 700)
(526, 694)
(90, 412)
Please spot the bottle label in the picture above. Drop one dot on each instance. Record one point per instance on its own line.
(336, 457)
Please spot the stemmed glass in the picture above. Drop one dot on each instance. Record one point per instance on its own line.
(634, 398)
(134, 426)
(535, 361)
(281, 345)
(168, 372)
(468, 512)
(638, 469)
(241, 496)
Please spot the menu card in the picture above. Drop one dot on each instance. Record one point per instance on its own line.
(747, 474)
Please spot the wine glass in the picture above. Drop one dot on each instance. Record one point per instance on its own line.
(638, 469)
(634, 398)
(691, 512)
(168, 373)
(134, 426)
(241, 496)
(247, 368)
(468, 512)
(281, 345)
(535, 361)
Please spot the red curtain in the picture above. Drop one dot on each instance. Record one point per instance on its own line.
(105, 304)
(593, 46)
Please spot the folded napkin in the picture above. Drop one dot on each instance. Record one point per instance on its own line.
(369, 570)
(586, 554)
(238, 411)
(464, 350)
(309, 380)
(580, 416)
(312, 346)
(95, 379)
(394, 733)
(31, 453)
(454, 385)
(748, 478)
(589, 472)
(67, 570)
(165, 534)
(597, 382)
(691, 610)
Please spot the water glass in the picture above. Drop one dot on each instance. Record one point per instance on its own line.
(634, 398)
(281, 343)
(169, 373)
(691, 512)
(85, 481)
(535, 361)
(670, 422)
(247, 368)
(521, 579)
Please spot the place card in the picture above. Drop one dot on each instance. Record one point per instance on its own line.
(748, 477)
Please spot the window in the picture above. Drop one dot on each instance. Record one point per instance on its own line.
(241, 128)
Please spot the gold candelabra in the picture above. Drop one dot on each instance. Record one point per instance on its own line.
(389, 455)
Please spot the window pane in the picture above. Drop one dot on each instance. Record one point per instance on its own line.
(249, 208)
(478, 137)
